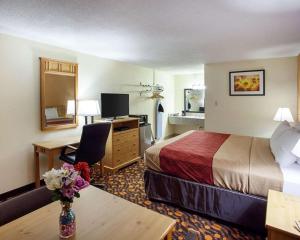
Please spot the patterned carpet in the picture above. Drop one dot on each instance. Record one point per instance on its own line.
(128, 183)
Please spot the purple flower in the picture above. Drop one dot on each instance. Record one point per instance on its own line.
(80, 183)
(68, 166)
(68, 192)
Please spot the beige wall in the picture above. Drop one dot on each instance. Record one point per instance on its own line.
(249, 115)
(20, 100)
(183, 81)
(168, 102)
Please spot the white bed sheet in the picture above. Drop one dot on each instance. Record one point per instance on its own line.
(291, 179)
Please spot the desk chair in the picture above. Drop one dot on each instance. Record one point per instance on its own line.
(91, 147)
(16, 207)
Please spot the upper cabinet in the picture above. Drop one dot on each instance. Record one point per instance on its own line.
(58, 94)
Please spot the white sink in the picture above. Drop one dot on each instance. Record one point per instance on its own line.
(187, 120)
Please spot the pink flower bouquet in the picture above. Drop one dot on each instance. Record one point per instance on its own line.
(66, 182)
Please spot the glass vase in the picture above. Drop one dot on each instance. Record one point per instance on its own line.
(67, 221)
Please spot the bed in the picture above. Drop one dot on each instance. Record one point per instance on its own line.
(56, 115)
(221, 175)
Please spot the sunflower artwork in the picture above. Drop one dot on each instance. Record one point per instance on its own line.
(247, 83)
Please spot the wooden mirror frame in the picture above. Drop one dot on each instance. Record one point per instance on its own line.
(60, 68)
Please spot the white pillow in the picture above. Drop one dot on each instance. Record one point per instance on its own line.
(296, 125)
(282, 127)
(51, 113)
(283, 146)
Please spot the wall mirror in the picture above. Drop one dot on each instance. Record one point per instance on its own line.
(58, 94)
(194, 100)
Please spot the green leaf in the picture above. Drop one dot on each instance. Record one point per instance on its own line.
(77, 194)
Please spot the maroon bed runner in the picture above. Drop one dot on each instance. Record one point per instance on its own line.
(191, 157)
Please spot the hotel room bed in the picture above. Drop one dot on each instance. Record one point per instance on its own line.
(221, 175)
(291, 179)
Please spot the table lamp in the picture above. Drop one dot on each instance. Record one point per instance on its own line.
(71, 107)
(88, 108)
(283, 114)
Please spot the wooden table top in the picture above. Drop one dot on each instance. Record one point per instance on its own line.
(282, 211)
(58, 143)
(99, 215)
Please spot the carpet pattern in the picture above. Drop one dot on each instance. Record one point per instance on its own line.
(128, 183)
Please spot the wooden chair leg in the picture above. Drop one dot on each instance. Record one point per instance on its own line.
(101, 169)
(98, 167)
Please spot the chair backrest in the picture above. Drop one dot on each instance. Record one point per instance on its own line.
(92, 143)
(16, 207)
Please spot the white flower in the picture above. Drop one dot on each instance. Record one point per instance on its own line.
(53, 178)
(71, 177)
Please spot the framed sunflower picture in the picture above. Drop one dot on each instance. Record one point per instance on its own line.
(247, 83)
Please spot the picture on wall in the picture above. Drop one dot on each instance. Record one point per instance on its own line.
(247, 83)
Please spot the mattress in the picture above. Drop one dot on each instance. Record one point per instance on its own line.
(291, 179)
(244, 164)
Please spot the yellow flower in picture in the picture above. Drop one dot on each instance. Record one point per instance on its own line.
(246, 83)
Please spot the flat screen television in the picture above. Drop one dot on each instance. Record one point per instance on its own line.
(114, 105)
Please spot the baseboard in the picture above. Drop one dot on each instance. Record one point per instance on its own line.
(18, 191)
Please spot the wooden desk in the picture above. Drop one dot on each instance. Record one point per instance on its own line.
(282, 211)
(50, 148)
(99, 215)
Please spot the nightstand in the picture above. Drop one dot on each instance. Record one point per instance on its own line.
(282, 211)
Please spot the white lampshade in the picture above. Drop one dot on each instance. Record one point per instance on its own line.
(71, 107)
(88, 108)
(283, 114)
(296, 149)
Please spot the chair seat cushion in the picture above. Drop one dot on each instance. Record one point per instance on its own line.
(69, 158)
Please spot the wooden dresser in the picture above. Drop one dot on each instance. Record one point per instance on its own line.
(122, 147)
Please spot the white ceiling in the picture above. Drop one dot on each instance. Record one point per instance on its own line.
(167, 34)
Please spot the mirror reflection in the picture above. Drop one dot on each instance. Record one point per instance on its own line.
(194, 100)
(59, 99)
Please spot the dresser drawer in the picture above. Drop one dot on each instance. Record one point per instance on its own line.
(133, 154)
(125, 147)
(119, 159)
(123, 155)
(133, 134)
(123, 158)
(124, 137)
